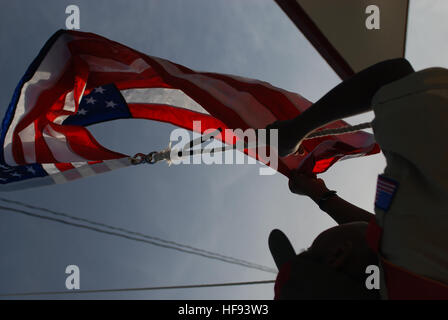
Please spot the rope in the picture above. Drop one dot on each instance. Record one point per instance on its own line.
(206, 285)
(202, 139)
(338, 131)
(168, 244)
(165, 154)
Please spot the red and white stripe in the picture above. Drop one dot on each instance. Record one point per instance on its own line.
(66, 172)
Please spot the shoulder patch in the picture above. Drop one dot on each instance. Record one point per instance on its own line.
(385, 192)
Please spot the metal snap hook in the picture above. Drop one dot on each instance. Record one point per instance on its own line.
(138, 158)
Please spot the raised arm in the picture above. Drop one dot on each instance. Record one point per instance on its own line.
(351, 97)
(337, 208)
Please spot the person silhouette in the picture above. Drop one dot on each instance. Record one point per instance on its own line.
(406, 238)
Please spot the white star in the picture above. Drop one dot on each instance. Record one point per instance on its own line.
(90, 100)
(99, 90)
(110, 104)
(5, 167)
(16, 174)
(82, 112)
(3, 179)
(31, 170)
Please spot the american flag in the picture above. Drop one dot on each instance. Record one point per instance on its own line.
(385, 192)
(79, 79)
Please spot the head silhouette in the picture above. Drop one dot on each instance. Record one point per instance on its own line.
(332, 268)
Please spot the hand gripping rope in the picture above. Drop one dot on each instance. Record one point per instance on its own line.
(166, 154)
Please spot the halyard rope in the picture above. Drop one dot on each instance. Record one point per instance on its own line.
(165, 154)
(338, 131)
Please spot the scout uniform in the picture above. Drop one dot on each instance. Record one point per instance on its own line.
(410, 228)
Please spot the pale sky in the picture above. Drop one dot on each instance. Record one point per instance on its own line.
(228, 209)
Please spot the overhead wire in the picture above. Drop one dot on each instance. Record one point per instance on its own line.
(206, 285)
(131, 236)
